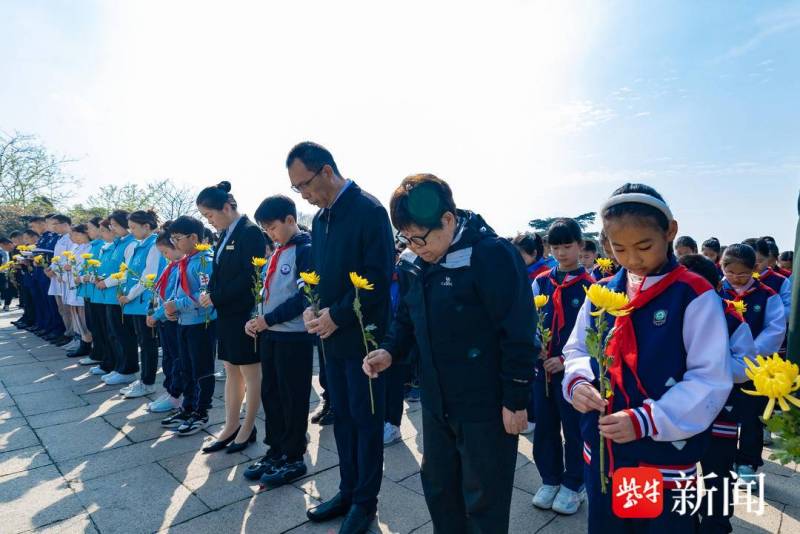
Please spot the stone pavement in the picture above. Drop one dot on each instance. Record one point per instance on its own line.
(75, 457)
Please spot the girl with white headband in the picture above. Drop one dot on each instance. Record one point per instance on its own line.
(670, 374)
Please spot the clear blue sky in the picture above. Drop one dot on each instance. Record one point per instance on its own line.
(529, 109)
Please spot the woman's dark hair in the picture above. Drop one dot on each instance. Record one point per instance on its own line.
(635, 209)
(15, 233)
(81, 229)
(61, 218)
(164, 235)
(530, 243)
(313, 155)
(762, 246)
(688, 242)
(95, 221)
(786, 255)
(120, 217)
(106, 223)
(589, 246)
(713, 244)
(148, 217)
(208, 235)
(275, 208)
(31, 233)
(36, 219)
(739, 253)
(697, 263)
(421, 200)
(564, 231)
(187, 226)
(216, 196)
(772, 247)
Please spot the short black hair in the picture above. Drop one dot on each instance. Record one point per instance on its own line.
(688, 242)
(275, 208)
(187, 225)
(81, 229)
(216, 196)
(148, 217)
(786, 255)
(564, 231)
(589, 246)
(697, 263)
(30, 232)
(62, 219)
(751, 242)
(5, 241)
(120, 217)
(208, 235)
(36, 219)
(713, 244)
(762, 247)
(164, 235)
(740, 253)
(15, 233)
(313, 155)
(421, 200)
(529, 242)
(635, 209)
(95, 221)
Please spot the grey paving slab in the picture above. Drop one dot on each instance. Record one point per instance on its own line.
(23, 460)
(196, 465)
(145, 499)
(223, 487)
(402, 459)
(26, 373)
(70, 415)
(35, 498)
(16, 434)
(47, 401)
(73, 440)
(9, 412)
(81, 524)
(399, 509)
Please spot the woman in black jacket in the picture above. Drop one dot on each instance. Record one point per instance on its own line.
(229, 291)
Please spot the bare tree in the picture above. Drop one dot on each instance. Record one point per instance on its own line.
(172, 200)
(29, 171)
(168, 199)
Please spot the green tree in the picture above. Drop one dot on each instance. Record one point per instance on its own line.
(584, 220)
(29, 172)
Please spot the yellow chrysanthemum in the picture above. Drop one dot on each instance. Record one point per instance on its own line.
(310, 279)
(540, 301)
(86, 256)
(359, 282)
(202, 247)
(6, 266)
(118, 276)
(756, 276)
(607, 301)
(55, 259)
(38, 259)
(775, 378)
(123, 267)
(738, 305)
(93, 263)
(68, 254)
(150, 277)
(258, 262)
(605, 265)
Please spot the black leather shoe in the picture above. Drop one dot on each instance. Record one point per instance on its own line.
(220, 444)
(64, 340)
(357, 521)
(328, 510)
(327, 418)
(239, 447)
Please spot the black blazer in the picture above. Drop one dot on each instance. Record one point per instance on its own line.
(231, 281)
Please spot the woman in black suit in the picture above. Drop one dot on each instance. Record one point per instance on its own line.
(230, 292)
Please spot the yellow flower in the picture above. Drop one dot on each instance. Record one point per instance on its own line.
(359, 282)
(540, 301)
(123, 267)
(86, 256)
(118, 276)
(775, 378)
(55, 259)
(607, 301)
(738, 305)
(5, 267)
(202, 247)
(605, 265)
(756, 276)
(38, 259)
(310, 279)
(93, 263)
(258, 262)
(150, 277)
(68, 254)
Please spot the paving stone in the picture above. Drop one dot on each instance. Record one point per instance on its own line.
(414, 483)
(70, 415)
(46, 384)
(399, 509)
(145, 499)
(14, 359)
(81, 524)
(197, 465)
(15, 434)
(73, 440)
(563, 524)
(769, 521)
(221, 488)
(35, 498)
(9, 412)
(527, 479)
(790, 524)
(524, 516)
(26, 374)
(47, 401)
(23, 460)
(402, 459)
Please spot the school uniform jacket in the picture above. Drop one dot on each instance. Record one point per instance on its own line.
(285, 300)
(472, 318)
(764, 314)
(683, 365)
(191, 270)
(145, 260)
(780, 285)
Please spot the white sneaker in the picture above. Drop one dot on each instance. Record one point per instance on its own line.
(529, 429)
(120, 379)
(87, 361)
(220, 376)
(545, 496)
(97, 371)
(140, 389)
(165, 403)
(391, 434)
(124, 391)
(109, 376)
(567, 501)
(748, 476)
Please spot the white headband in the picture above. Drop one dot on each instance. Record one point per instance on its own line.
(638, 198)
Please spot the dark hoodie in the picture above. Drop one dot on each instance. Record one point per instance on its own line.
(473, 318)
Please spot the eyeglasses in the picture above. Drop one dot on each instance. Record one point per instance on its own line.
(175, 239)
(299, 188)
(416, 240)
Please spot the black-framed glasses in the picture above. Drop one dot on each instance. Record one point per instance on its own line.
(416, 240)
(301, 186)
(175, 239)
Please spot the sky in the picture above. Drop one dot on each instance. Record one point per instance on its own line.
(528, 109)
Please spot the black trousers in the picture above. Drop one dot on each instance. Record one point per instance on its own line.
(28, 303)
(751, 432)
(396, 377)
(285, 390)
(96, 321)
(174, 379)
(718, 460)
(323, 377)
(196, 345)
(122, 337)
(148, 348)
(467, 474)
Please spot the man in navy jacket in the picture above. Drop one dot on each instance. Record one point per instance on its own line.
(350, 233)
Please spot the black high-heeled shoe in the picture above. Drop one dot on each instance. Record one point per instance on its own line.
(239, 447)
(221, 444)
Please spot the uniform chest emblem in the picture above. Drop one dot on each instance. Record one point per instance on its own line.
(757, 308)
(285, 269)
(660, 317)
(447, 282)
(576, 303)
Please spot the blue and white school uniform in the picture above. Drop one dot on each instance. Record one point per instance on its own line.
(558, 464)
(780, 285)
(174, 377)
(673, 386)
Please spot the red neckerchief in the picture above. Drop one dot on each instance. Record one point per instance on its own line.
(558, 306)
(783, 272)
(730, 309)
(161, 285)
(183, 275)
(273, 266)
(737, 296)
